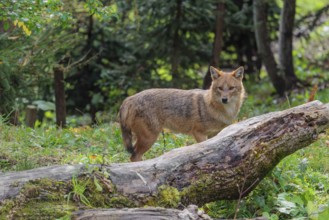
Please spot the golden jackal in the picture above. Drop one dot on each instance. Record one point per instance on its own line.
(200, 113)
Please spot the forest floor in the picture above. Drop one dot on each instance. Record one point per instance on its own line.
(297, 188)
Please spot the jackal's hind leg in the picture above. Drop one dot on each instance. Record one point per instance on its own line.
(145, 140)
(199, 137)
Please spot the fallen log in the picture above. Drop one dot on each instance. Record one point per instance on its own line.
(190, 213)
(227, 166)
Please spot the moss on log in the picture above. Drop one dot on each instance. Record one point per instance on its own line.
(223, 167)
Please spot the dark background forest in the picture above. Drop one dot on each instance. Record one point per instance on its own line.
(108, 50)
(67, 65)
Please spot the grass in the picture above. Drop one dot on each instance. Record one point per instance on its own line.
(30, 148)
(297, 188)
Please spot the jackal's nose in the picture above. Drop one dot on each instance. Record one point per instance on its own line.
(224, 100)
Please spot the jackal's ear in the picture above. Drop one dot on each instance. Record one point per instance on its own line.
(215, 73)
(238, 73)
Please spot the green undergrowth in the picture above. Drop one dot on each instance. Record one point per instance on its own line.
(23, 148)
(297, 188)
(167, 196)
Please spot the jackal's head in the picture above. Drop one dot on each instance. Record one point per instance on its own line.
(227, 87)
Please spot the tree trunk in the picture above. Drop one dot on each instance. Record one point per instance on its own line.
(217, 47)
(190, 213)
(175, 57)
(285, 43)
(14, 117)
(31, 115)
(227, 166)
(263, 45)
(60, 102)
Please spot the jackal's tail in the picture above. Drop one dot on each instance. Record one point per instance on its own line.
(125, 130)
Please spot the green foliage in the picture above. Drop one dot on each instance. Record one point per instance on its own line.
(26, 66)
(7, 92)
(32, 15)
(130, 58)
(311, 64)
(129, 46)
(294, 189)
(43, 146)
(168, 196)
(102, 12)
(78, 190)
(156, 44)
(26, 59)
(297, 187)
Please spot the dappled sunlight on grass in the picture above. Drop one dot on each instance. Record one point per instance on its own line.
(300, 180)
(101, 144)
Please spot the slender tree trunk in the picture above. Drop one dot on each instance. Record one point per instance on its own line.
(31, 115)
(93, 109)
(90, 33)
(60, 102)
(285, 43)
(218, 43)
(93, 116)
(14, 118)
(175, 57)
(263, 45)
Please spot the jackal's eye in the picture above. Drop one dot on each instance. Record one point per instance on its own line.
(231, 88)
(220, 88)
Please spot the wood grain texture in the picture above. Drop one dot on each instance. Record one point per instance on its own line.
(190, 213)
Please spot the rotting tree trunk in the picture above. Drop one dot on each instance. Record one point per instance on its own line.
(60, 101)
(234, 161)
(263, 45)
(286, 43)
(217, 47)
(190, 213)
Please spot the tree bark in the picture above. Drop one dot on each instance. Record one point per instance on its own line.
(217, 47)
(31, 115)
(225, 167)
(14, 117)
(60, 101)
(285, 43)
(175, 57)
(263, 45)
(190, 213)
